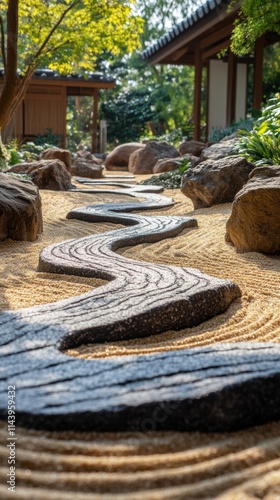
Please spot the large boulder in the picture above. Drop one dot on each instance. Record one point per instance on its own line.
(220, 150)
(254, 224)
(85, 168)
(46, 174)
(20, 209)
(214, 182)
(87, 156)
(194, 148)
(119, 157)
(86, 165)
(143, 160)
(58, 154)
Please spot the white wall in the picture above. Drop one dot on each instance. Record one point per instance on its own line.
(217, 104)
(241, 92)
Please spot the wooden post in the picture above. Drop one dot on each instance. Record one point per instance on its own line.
(258, 71)
(94, 120)
(231, 88)
(197, 93)
(64, 125)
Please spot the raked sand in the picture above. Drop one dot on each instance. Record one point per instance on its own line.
(166, 465)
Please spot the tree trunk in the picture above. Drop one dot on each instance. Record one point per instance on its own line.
(9, 89)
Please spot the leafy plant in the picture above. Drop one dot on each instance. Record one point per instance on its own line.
(48, 138)
(175, 136)
(171, 179)
(4, 156)
(9, 154)
(168, 180)
(31, 150)
(183, 165)
(262, 145)
(256, 18)
(217, 134)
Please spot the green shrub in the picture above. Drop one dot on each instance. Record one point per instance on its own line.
(171, 179)
(48, 138)
(4, 156)
(31, 150)
(217, 134)
(262, 145)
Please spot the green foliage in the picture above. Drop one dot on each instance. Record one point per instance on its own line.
(48, 138)
(161, 15)
(183, 165)
(168, 180)
(4, 156)
(171, 179)
(217, 134)
(10, 154)
(79, 123)
(32, 150)
(147, 101)
(271, 71)
(69, 34)
(262, 145)
(174, 137)
(127, 114)
(256, 17)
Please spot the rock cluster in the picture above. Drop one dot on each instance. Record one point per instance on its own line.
(143, 160)
(118, 159)
(46, 174)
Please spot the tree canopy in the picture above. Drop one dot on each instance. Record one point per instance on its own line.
(162, 95)
(66, 35)
(256, 17)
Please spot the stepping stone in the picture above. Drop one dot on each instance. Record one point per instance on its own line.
(221, 387)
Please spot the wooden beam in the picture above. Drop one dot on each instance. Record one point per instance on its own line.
(197, 93)
(177, 55)
(215, 50)
(187, 59)
(217, 36)
(231, 88)
(258, 72)
(94, 120)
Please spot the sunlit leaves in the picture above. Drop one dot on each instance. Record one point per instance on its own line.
(262, 144)
(83, 30)
(256, 17)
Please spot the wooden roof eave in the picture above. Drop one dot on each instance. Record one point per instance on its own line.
(212, 30)
(73, 83)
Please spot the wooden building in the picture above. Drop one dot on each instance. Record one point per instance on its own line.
(197, 41)
(45, 105)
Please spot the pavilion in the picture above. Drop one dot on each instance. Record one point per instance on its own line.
(197, 41)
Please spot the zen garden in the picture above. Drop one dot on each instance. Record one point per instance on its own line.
(140, 249)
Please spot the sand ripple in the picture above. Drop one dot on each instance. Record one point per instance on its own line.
(154, 466)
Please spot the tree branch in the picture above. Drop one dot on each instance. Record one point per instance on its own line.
(54, 28)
